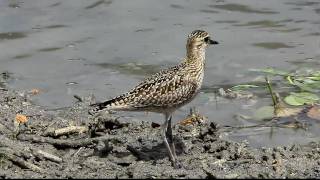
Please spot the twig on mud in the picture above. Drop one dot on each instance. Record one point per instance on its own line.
(78, 98)
(42, 154)
(22, 163)
(64, 143)
(76, 153)
(70, 130)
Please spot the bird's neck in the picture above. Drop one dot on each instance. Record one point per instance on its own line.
(196, 56)
(195, 62)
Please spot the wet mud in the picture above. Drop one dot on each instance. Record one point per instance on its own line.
(69, 143)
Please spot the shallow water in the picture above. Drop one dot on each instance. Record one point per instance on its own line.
(105, 47)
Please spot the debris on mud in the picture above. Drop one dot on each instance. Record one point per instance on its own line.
(69, 143)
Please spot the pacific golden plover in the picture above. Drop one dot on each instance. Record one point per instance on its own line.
(167, 90)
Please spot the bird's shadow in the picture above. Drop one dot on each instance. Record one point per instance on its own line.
(159, 151)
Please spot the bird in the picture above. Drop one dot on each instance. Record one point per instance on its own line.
(168, 90)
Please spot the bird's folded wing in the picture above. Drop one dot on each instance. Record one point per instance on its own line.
(166, 91)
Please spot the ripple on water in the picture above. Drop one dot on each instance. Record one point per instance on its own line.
(303, 3)
(262, 24)
(176, 6)
(270, 24)
(55, 26)
(209, 11)
(272, 45)
(55, 4)
(242, 8)
(49, 49)
(131, 68)
(144, 30)
(98, 3)
(22, 56)
(227, 21)
(12, 35)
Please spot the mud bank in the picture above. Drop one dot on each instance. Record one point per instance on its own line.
(69, 143)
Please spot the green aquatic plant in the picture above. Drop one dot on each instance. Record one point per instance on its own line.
(297, 99)
(308, 84)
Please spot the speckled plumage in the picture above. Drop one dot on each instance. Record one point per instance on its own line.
(169, 89)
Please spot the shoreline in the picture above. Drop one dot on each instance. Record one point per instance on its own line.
(69, 143)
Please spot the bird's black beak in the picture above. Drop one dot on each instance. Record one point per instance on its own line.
(213, 42)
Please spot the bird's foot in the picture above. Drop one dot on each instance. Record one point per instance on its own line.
(176, 164)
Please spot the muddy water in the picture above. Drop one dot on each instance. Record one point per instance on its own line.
(105, 47)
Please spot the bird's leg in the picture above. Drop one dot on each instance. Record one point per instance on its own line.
(164, 135)
(167, 131)
(170, 137)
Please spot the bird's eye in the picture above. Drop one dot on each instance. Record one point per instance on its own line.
(206, 39)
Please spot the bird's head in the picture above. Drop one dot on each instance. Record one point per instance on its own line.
(199, 39)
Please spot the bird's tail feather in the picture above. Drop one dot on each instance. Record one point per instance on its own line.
(110, 104)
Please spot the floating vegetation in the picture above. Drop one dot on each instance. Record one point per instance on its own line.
(298, 105)
(298, 99)
(243, 87)
(307, 82)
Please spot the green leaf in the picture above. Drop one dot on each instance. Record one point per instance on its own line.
(243, 87)
(310, 86)
(297, 99)
(272, 71)
(315, 78)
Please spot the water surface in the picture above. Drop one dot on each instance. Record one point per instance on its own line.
(106, 47)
